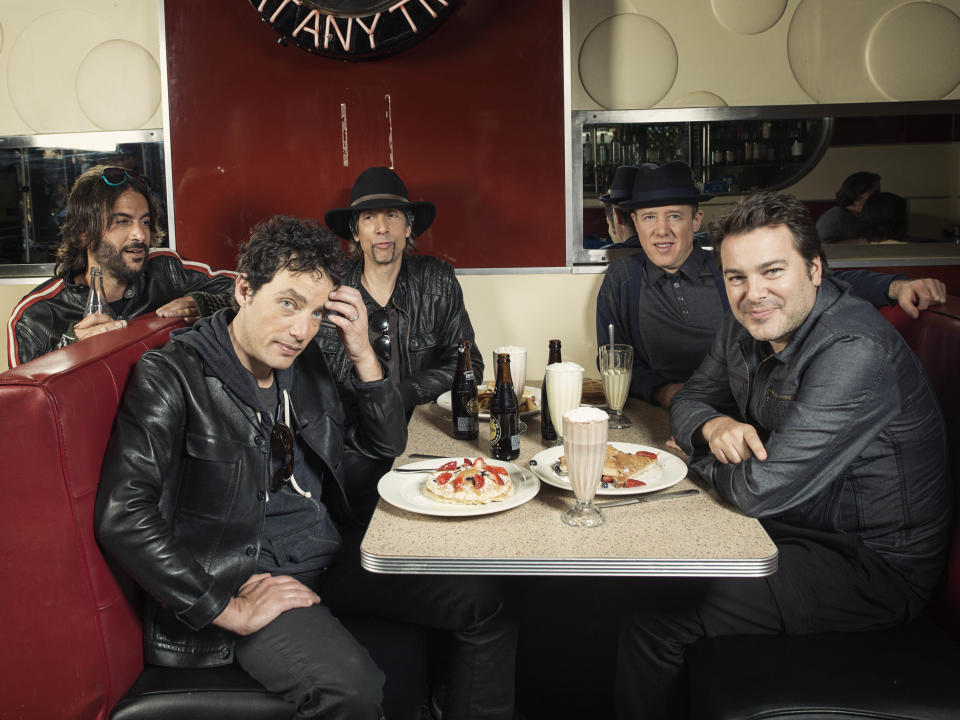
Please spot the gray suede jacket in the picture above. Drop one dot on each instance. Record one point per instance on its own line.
(853, 433)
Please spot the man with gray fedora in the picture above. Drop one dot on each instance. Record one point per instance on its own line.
(414, 302)
(668, 301)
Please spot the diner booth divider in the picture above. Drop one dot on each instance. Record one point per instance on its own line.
(69, 620)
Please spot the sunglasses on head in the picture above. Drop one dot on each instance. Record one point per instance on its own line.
(380, 322)
(281, 448)
(114, 176)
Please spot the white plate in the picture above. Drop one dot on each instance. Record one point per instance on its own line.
(444, 402)
(405, 490)
(671, 470)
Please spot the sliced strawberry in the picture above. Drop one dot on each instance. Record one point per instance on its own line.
(457, 482)
(498, 470)
(644, 453)
(634, 483)
(606, 478)
(478, 481)
(443, 478)
(452, 465)
(479, 463)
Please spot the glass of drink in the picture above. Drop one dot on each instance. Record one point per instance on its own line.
(518, 371)
(584, 449)
(616, 368)
(564, 386)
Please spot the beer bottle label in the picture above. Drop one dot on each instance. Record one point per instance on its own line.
(515, 442)
(496, 431)
(468, 374)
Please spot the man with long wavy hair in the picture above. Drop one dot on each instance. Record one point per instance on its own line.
(112, 222)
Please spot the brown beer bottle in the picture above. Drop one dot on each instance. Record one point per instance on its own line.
(504, 414)
(463, 396)
(548, 433)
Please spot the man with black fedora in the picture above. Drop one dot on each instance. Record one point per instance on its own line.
(414, 302)
(668, 301)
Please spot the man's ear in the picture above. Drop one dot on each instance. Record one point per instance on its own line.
(697, 219)
(241, 290)
(816, 271)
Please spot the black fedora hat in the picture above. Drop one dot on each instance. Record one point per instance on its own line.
(622, 185)
(667, 184)
(379, 187)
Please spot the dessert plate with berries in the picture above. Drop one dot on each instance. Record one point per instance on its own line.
(460, 486)
(653, 469)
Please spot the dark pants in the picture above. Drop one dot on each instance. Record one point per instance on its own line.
(315, 663)
(481, 666)
(825, 582)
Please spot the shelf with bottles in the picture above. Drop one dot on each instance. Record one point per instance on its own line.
(726, 157)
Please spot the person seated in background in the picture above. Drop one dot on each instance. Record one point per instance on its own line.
(414, 302)
(883, 219)
(224, 496)
(619, 224)
(839, 223)
(112, 222)
(811, 413)
(669, 301)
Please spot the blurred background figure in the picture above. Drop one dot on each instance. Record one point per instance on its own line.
(883, 218)
(841, 222)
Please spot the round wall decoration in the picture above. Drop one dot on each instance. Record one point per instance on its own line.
(353, 29)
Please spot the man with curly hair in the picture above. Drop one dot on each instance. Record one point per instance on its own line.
(111, 222)
(225, 493)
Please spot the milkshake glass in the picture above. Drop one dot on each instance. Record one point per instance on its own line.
(518, 371)
(584, 449)
(616, 369)
(564, 387)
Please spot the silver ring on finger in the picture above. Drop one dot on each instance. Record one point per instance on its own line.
(356, 317)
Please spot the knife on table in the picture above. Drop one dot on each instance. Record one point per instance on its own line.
(646, 498)
(427, 456)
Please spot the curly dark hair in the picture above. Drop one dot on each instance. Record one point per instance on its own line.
(88, 214)
(288, 243)
(768, 209)
(856, 185)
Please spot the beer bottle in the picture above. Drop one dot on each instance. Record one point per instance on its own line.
(548, 433)
(463, 396)
(504, 414)
(97, 298)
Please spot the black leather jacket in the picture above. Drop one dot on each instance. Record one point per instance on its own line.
(432, 319)
(40, 322)
(182, 492)
(854, 437)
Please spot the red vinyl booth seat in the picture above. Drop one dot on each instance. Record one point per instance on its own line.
(71, 640)
(70, 633)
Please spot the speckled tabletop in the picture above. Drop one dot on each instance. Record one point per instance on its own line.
(694, 535)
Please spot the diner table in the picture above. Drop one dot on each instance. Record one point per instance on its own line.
(695, 535)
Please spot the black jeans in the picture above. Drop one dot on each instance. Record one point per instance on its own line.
(313, 661)
(481, 668)
(825, 582)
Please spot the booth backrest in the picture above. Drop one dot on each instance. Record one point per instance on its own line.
(70, 633)
(935, 338)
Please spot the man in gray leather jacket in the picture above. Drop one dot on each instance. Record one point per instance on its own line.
(226, 495)
(812, 414)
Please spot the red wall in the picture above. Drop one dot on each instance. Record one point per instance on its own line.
(477, 113)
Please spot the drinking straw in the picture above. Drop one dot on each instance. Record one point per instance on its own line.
(610, 330)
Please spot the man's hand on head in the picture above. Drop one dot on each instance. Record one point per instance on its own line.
(185, 307)
(916, 295)
(260, 600)
(352, 325)
(731, 441)
(96, 324)
(664, 394)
